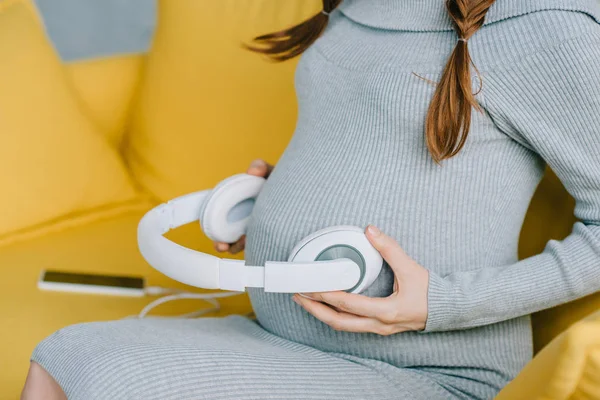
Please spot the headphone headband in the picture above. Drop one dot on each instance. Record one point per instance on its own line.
(206, 271)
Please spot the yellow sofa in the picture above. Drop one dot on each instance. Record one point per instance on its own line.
(89, 146)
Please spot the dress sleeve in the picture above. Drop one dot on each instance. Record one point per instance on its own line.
(549, 102)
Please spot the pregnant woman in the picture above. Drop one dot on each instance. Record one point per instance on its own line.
(428, 124)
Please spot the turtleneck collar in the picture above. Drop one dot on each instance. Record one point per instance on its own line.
(431, 15)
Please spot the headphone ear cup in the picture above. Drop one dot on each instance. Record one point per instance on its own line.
(202, 210)
(225, 213)
(341, 242)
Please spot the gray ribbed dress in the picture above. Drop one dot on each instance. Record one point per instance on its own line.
(358, 156)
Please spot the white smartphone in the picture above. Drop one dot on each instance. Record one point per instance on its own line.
(112, 285)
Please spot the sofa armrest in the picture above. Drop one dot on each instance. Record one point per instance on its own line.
(567, 368)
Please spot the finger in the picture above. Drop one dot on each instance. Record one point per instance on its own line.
(352, 303)
(341, 321)
(238, 246)
(220, 246)
(260, 167)
(388, 247)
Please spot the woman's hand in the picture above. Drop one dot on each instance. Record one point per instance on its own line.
(404, 310)
(259, 168)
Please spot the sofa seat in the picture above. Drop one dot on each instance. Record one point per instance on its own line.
(108, 246)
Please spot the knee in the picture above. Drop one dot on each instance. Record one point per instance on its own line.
(40, 385)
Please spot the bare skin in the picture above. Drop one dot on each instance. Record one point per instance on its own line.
(259, 168)
(39, 385)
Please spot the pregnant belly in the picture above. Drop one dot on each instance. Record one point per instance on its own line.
(286, 211)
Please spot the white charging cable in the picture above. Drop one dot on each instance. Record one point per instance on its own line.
(177, 294)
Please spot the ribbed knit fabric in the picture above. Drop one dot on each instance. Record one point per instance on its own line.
(358, 156)
(229, 358)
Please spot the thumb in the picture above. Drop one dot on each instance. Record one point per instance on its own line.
(390, 250)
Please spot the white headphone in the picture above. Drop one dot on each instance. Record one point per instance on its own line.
(335, 258)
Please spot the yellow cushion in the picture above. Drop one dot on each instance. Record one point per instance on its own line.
(550, 216)
(208, 107)
(106, 88)
(28, 314)
(55, 161)
(567, 369)
(549, 323)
